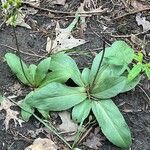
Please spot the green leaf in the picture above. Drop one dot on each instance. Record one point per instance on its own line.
(14, 63)
(32, 72)
(45, 114)
(85, 76)
(1, 98)
(109, 87)
(56, 97)
(147, 70)
(26, 111)
(130, 84)
(42, 70)
(112, 123)
(108, 71)
(120, 53)
(95, 67)
(135, 71)
(81, 111)
(116, 59)
(138, 57)
(56, 76)
(64, 64)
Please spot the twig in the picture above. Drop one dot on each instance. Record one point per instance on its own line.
(65, 12)
(148, 101)
(26, 53)
(87, 128)
(128, 36)
(132, 13)
(78, 135)
(85, 134)
(2, 24)
(125, 3)
(63, 17)
(103, 39)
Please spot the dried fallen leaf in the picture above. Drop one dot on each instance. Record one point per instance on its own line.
(42, 144)
(64, 39)
(67, 126)
(138, 5)
(90, 3)
(136, 40)
(30, 10)
(33, 2)
(35, 133)
(10, 114)
(21, 22)
(82, 18)
(59, 2)
(94, 140)
(142, 21)
(16, 89)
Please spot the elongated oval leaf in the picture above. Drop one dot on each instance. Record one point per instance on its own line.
(81, 111)
(108, 71)
(120, 53)
(147, 71)
(14, 63)
(109, 87)
(56, 76)
(65, 64)
(135, 71)
(56, 97)
(85, 76)
(95, 67)
(130, 84)
(26, 111)
(32, 72)
(112, 123)
(42, 70)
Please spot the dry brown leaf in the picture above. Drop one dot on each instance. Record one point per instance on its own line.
(59, 2)
(21, 22)
(16, 89)
(137, 5)
(42, 144)
(94, 140)
(82, 18)
(136, 40)
(30, 10)
(90, 3)
(33, 2)
(35, 133)
(67, 126)
(142, 21)
(64, 39)
(10, 114)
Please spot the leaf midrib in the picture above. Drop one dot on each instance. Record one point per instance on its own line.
(111, 122)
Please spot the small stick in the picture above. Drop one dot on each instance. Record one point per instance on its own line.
(128, 36)
(26, 53)
(148, 101)
(132, 13)
(65, 12)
